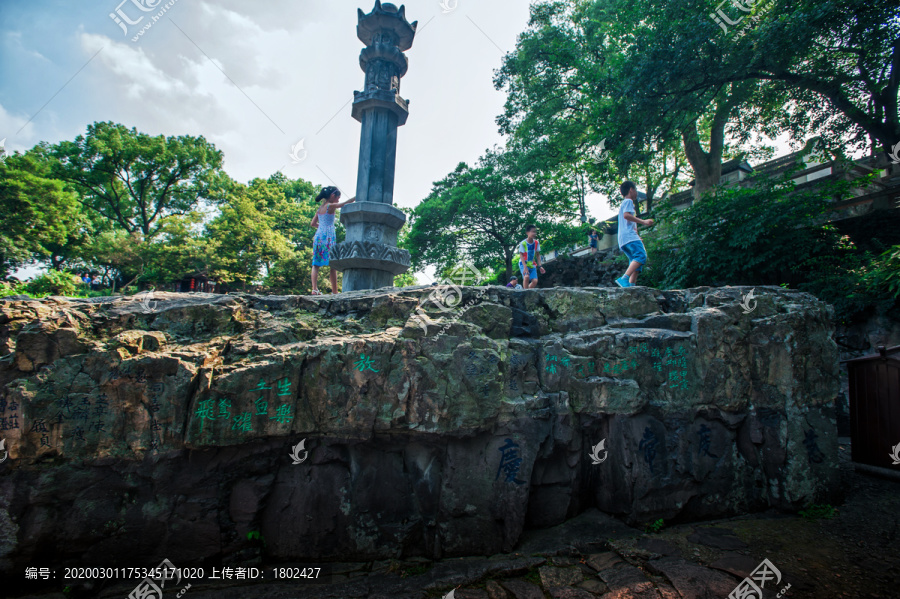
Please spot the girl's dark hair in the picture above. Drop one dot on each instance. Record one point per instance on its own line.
(327, 192)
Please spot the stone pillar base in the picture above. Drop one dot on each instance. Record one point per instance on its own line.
(356, 279)
(369, 256)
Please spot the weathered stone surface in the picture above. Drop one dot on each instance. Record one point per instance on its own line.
(657, 546)
(563, 560)
(522, 589)
(137, 342)
(585, 532)
(559, 577)
(467, 570)
(593, 586)
(694, 581)
(736, 564)
(720, 538)
(591, 270)
(624, 576)
(45, 342)
(165, 428)
(604, 561)
(569, 593)
(667, 592)
(642, 590)
(495, 591)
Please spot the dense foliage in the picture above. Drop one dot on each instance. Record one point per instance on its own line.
(770, 232)
(478, 214)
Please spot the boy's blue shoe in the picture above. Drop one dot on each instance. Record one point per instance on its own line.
(623, 281)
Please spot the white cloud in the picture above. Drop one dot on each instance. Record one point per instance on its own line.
(16, 38)
(10, 126)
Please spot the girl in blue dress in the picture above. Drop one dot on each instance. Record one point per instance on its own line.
(325, 238)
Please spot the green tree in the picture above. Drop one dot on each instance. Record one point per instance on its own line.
(179, 250)
(588, 72)
(563, 83)
(243, 240)
(37, 215)
(797, 247)
(478, 215)
(136, 181)
(407, 279)
(296, 209)
(834, 67)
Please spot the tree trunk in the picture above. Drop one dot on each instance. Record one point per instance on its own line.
(581, 194)
(707, 166)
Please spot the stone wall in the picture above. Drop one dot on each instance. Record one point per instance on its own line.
(590, 270)
(164, 428)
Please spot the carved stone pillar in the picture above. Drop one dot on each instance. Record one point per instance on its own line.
(369, 258)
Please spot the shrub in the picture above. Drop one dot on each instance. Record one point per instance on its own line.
(53, 282)
(655, 526)
(816, 511)
(768, 232)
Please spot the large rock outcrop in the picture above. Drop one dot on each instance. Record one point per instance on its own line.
(600, 269)
(164, 428)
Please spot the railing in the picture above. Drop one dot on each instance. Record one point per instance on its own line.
(573, 251)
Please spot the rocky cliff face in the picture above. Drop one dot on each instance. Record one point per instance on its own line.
(166, 427)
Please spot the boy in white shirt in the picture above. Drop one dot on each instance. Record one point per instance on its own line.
(629, 241)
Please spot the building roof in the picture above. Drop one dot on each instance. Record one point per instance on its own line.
(729, 166)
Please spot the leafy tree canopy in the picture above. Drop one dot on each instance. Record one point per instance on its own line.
(136, 181)
(38, 215)
(478, 215)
